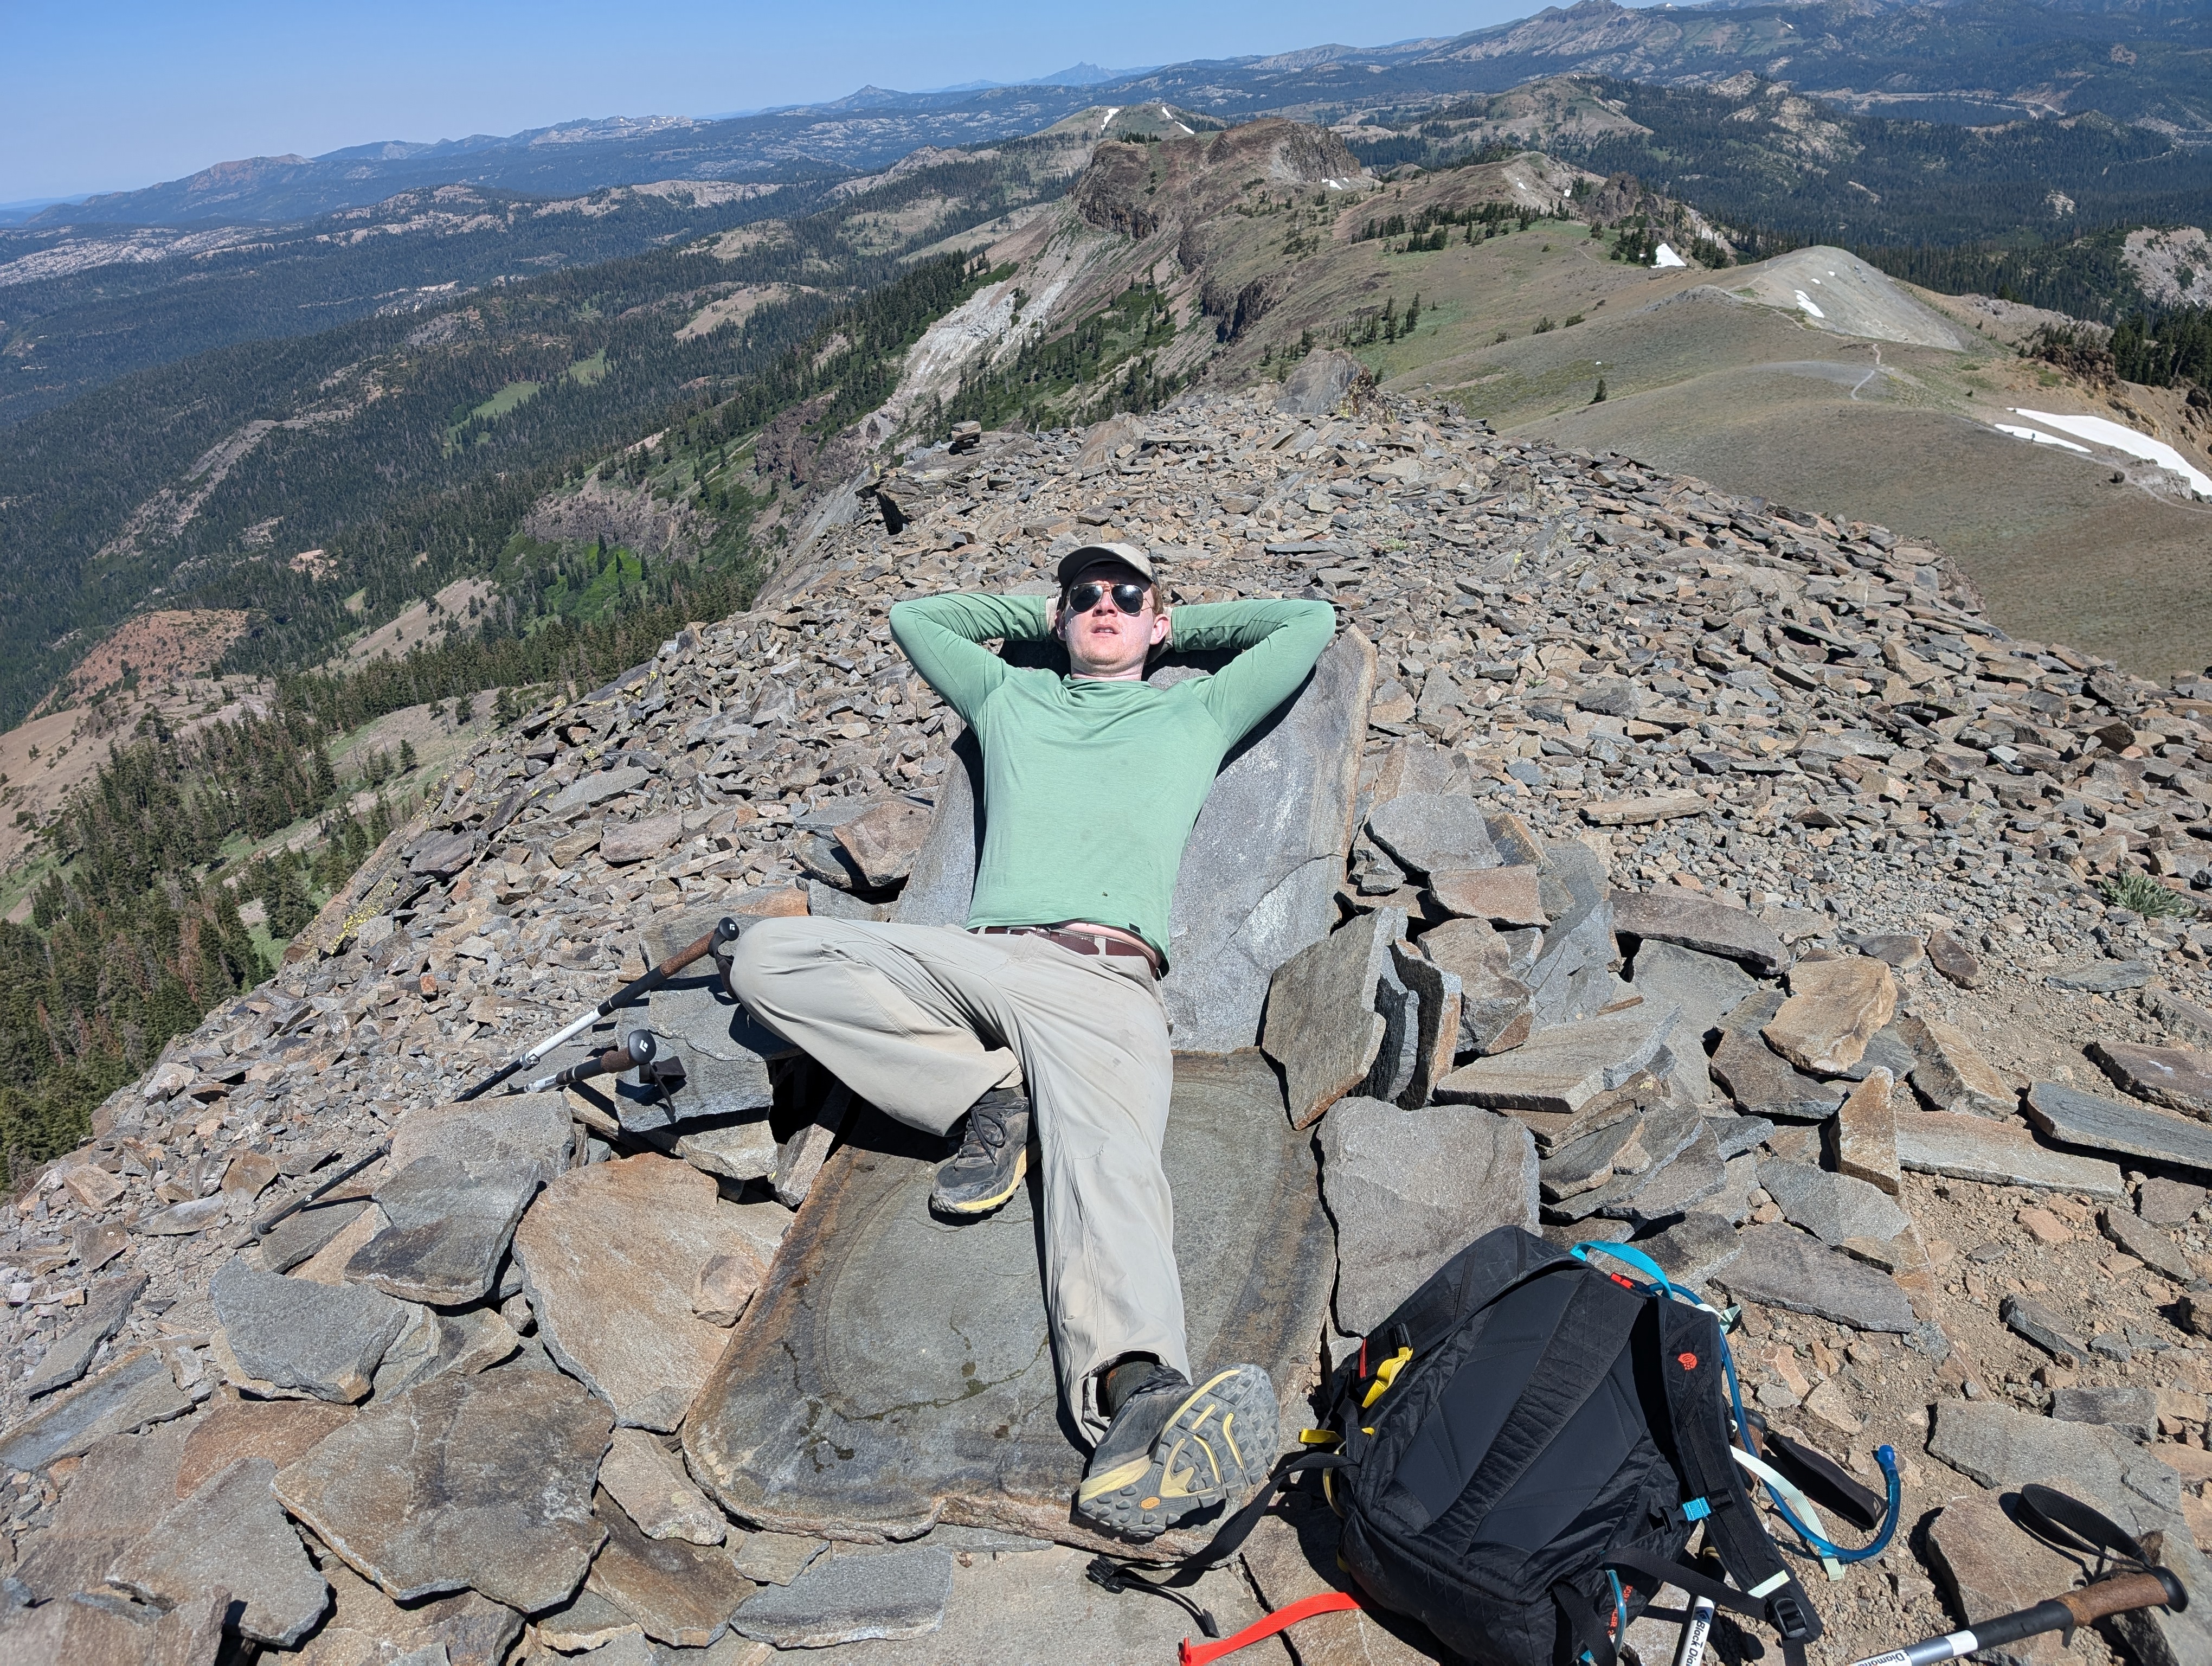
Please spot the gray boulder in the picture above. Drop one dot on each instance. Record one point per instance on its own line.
(1408, 1189)
(322, 1340)
(1433, 833)
(1321, 384)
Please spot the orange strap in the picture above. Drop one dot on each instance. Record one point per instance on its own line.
(1327, 1601)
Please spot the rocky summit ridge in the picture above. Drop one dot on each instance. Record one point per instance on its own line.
(1713, 876)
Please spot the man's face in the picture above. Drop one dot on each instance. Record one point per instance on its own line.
(1102, 640)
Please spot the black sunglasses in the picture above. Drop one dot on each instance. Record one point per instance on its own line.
(1127, 596)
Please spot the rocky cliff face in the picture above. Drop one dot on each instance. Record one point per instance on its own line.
(1721, 880)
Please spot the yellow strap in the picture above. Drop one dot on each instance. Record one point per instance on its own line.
(1385, 1374)
(1319, 1438)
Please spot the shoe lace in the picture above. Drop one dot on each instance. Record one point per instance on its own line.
(987, 1130)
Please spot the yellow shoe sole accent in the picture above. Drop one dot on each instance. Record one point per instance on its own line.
(984, 1205)
(1126, 1474)
(1202, 1463)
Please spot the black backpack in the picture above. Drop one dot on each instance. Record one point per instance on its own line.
(1523, 1452)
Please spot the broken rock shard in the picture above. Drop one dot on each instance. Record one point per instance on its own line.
(1322, 1027)
(231, 1536)
(1408, 1191)
(1835, 1008)
(1697, 923)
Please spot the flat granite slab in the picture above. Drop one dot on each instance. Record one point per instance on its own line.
(1260, 875)
(895, 1371)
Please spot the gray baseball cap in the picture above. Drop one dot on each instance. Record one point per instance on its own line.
(1128, 555)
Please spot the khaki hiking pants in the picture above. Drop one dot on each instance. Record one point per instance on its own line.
(922, 1021)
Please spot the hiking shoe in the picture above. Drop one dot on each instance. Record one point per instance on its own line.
(1172, 1450)
(993, 1156)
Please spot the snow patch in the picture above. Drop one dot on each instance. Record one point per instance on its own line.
(2122, 438)
(2020, 432)
(1806, 301)
(1663, 256)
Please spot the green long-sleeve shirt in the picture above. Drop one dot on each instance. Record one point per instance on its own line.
(1090, 789)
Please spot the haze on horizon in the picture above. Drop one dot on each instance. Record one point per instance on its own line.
(132, 94)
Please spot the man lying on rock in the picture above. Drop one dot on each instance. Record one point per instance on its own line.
(1043, 1016)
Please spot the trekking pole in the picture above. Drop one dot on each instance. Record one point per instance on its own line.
(2155, 1588)
(637, 1052)
(725, 932)
(262, 1225)
(1695, 1630)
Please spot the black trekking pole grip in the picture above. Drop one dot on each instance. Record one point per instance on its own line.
(726, 931)
(638, 1049)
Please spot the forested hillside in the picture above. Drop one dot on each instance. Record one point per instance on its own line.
(414, 452)
(407, 449)
(80, 307)
(133, 934)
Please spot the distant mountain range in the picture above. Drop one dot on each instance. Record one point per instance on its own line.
(1975, 62)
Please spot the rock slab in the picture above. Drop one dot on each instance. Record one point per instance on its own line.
(321, 1340)
(651, 1487)
(231, 1536)
(1503, 896)
(1760, 1081)
(1833, 1207)
(137, 1388)
(1967, 1148)
(895, 1371)
(610, 1257)
(680, 1593)
(481, 1481)
(365, 1626)
(1323, 1026)
(233, 1428)
(1408, 1189)
(104, 1309)
(2178, 1078)
(853, 1597)
(2001, 1445)
(1951, 1075)
(1781, 1266)
(1558, 1071)
(1865, 1135)
(461, 1176)
(1835, 1007)
(1434, 833)
(2075, 1118)
(1991, 1567)
(1697, 923)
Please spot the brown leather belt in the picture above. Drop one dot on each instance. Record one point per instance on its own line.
(1074, 942)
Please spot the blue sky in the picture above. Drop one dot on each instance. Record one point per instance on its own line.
(123, 94)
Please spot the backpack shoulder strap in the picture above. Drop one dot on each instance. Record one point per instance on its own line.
(1696, 1382)
(1661, 1571)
